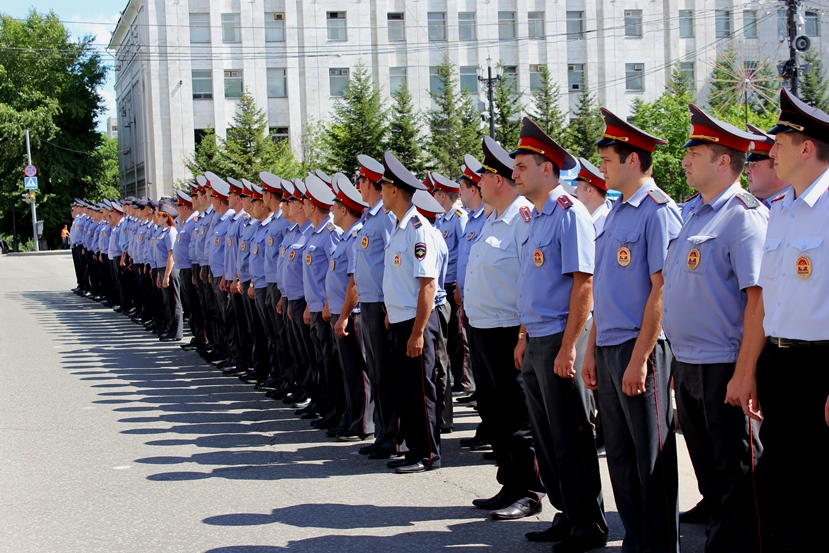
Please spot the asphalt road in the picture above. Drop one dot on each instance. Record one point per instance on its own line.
(113, 442)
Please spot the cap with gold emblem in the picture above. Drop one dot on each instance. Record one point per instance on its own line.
(619, 131)
(288, 190)
(444, 184)
(323, 177)
(347, 193)
(255, 192)
(370, 168)
(220, 188)
(470, 169)
(184, 198)
(427, 205)
(532, 140)
(396, 174)
(248, 188)
(761, 148)
(496, 159)
(591, 175)
(318, 192)
(797, 115)
(299, 189)
(707, 130)
(201, 182)
(270, 182)
(235, 185)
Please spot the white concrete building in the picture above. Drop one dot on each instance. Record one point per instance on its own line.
(181, 64)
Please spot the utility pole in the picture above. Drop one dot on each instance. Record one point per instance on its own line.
(34, 208)
(791, 30)
(490, 81)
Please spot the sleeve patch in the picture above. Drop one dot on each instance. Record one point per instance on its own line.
(420, 251)
(750, 201)
(525, 213)
(458, 212)
(658, 196)
(330, 226)
(564, 202)
(416, 222)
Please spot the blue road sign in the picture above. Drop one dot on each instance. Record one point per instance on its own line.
(30, 183)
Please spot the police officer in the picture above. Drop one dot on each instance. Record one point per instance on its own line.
(238, 323)
(591, 190)
(627, 347)
(409, 284)
(711, 278)
(215, 247)
(762, 178)
(792, 383)
(182, 255)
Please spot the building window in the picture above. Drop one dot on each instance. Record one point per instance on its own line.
(337, 26)
(575, 76)
(686, 24)
(782, 24)
(233, 84)
(506, 25)
(633, 23)
(722, 22)
(199, 27)
(202, 85)
(231, 28)
(687, 69)
(278, 134)
(749, 24)
(750, 68)
(397, 78)
(338, 80)
(469, 79)
(575, 25)
(198, 135)
(536, 24)
(277, 83)
(274, 27)
(437, 26)
(397, 27)
(535, 77)
(635, 77)
(510, 72)
(435, 81)
(466, 26)
(812, 24)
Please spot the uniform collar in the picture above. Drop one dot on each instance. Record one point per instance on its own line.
(508, 216)
(550, 204)
(449, 214)
(191, 217)
(293, 226)
(640, 194)
(209, 210)
(725, 196)
(267, 220)
(239, 215)
(376, 207)
(305, 227)
(408, 217)
(477, 213)
(228, 213)
(322, 224)
(811, 195)
(356, 226)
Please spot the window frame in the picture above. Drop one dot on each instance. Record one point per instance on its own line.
(340, 75)
(535, 25)
(436, 26)
(334, 30)
(722, 17)
(397, 81)
(203, 27)
(469, 25)
(507, 23)
(470, 72)
(686, 23)
(231, 78)
(193, 79)
(399, 26)
(574, 69)
(228, 27)
(272, 25)
(575, 35)
(630, 75)
(269, 74)
(811, 19)
(631, 25)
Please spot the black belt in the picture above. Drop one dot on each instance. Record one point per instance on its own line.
(786, 343)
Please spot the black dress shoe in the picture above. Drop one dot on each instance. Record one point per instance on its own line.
(558, 531)
(335, 432)
(382, 453)
(497, 501)
(524, 507)
(481, 446)
(301, 404)
(234, 371)
(412, 468)
(398, 463)
(489, 456)
(247, 376)
(699, 514)
(467, 399)
(352, 437)
(467, 442)
(309, 416)
(326, 424)
(446, 429)
(169, 339)
(366, 449)
(580, 544)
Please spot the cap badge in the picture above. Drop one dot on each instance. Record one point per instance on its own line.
(693, 259)
(623, 256)
(804, 267)
(538, 258)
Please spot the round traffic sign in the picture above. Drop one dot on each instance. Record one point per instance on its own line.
(30, 170)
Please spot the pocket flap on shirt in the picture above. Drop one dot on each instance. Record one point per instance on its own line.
(496, 242)
(804, 243)
(700, 238)
(772, 244)
(626, 236)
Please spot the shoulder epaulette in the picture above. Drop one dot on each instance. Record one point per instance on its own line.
(330, 226)
(245, 216)
(778, 197)
(459, 213)
(748, 199)
(416, 222)
(564, 202)
(691, 197)
(658, 196)
(525, 213)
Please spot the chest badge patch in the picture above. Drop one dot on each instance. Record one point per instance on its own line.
(804, 267)
(255, 249)
(396, 260)
(308, 259)
(292, 255)
(270, 241)
(244, 246)
(693, 259)
(420, 251)
(152, 242)
(202, 231)
(470, 235)
(332, 265)
(178, 238)
(364, 242)
(216, 241)
(229, 241)
(446, 234)
(538, 258)
(623, 256)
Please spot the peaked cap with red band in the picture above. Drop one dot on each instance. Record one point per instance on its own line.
(201, 183)
(221, 189)
(347, 194)
(370, 168)
(288, 190)
(429, 183)
(184, 198)
(471, 169)
(590, 174)
(707, 130)
(299, 189)
(256, 192)
(396, 174)
(427, 205)
(533, 140)
(270, 182)
(444, 184)
(761, 148)
(798, 116)
(319, 193)
(321, 175)
(496, 159)
(235, 185)
(618, 131)
(248, 188)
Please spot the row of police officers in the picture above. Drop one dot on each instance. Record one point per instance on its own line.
(574, 320)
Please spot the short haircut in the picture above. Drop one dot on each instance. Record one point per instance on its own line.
(600, 191)
(539, 159)
(378, 185)
(453, 196)
(738, 158)
(469, 183)
(821, 148)
(624, 150)
(407, 193)
(351, 211)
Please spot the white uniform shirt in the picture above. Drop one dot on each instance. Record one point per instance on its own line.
(599, 215)
(795, 264)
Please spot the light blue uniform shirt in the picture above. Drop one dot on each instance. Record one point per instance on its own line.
(258, 250)
(181, 253)
(717, 255)
(474, 224)
(630, 249)
(202, 224)
(273, 253)
(294, 242)
(560, 241)
(114, 249)
(217, 242)
(339, 269)
(491, 287)
(452, 226)
(165, 241)
(234, 232)
(322, 241)
(369, 252)
(245, 245)
(212, 220)
(443, 265)
(411, 254)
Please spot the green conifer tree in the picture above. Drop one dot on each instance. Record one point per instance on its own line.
(546, 106)
(814, 88)
(404, 133)
(507, 105)
(585, 127)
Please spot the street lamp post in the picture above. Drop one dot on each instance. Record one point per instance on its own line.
(490, 81)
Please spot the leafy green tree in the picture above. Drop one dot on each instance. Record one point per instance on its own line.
(814, 88)
(404, 132)
(107, 158)
(48, 85)
(506, 100)
(312, 147)
(206, 156)
(546, 106)
(739, 83)
(585, 127)
(358, 123)
(455, 126)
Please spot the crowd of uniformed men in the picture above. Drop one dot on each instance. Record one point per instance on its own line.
(365, 305)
